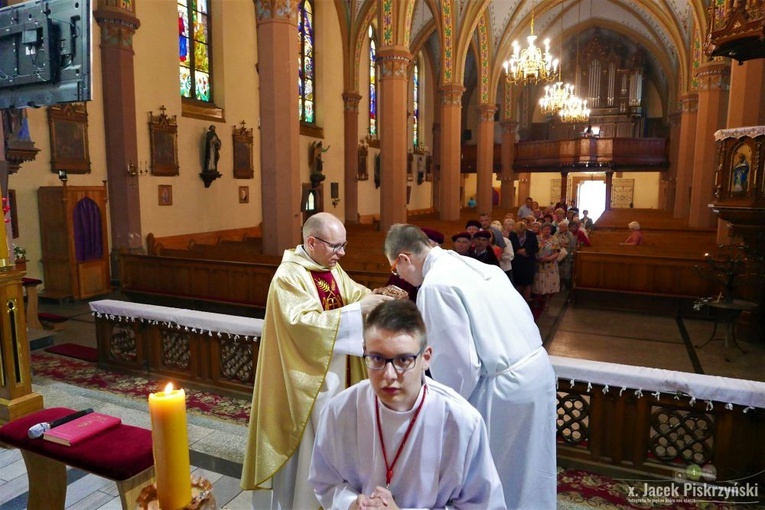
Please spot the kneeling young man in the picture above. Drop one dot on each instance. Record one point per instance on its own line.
(400, 439)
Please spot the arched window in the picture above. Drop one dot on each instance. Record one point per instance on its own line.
(307, 71)
(194, 49)
(372, 84)
(416, 105)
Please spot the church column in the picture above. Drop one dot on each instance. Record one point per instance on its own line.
(279, 135)
(393, 63)
(689, 109)
(351, 120)
(485, 154)
(436, 162)
(451, 151)
(667, 188)
(714, 80)
(609, 185)
(746, 105)
(507, 199)
(118, 24)
(563, 186)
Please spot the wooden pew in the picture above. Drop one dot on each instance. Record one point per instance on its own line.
(238, 288)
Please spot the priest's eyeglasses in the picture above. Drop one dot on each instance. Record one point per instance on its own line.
(401, 363)
(334, 247)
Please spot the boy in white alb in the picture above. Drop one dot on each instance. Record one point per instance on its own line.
(400, 439)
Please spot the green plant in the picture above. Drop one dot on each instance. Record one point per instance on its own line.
(19, 252)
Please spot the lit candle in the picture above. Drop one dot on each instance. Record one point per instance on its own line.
(171, 447)
(4, 260)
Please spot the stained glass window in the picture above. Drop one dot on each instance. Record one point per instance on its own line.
(194, 49)
(307, 71)
(372, 83)
(416, 105)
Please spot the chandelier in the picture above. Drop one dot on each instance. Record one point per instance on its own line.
(531, 64)
(575, 110)
(555, 98)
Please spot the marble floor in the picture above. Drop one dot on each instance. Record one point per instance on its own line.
(627, 335)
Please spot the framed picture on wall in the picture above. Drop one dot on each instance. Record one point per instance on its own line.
(163, 140)
(244, 194)
(165, 194)
(68, 125)
(242, 143)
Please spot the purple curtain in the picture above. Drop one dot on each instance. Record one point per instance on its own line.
(88, 240)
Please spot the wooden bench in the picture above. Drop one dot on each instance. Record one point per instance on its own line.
(123, 454)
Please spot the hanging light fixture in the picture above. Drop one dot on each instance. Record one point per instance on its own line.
(531, 64)
(556, 95)
(555, 98)
(575, 110)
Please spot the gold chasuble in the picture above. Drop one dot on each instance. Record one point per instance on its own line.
(299, 331)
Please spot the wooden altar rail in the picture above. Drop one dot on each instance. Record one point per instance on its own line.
(617, 153)
(207, 284)
(621, 428)
(618, 431)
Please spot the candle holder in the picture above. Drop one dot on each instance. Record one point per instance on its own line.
(202, 497)
(732, 267)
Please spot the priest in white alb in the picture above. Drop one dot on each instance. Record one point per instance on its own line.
(400, 439)
(309, 351)
(487, 347)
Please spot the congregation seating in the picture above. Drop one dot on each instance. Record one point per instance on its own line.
(664, 265)
(227, 271)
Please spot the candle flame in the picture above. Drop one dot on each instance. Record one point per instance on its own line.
(169, 388)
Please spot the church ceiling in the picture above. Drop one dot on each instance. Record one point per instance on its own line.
(664, 24)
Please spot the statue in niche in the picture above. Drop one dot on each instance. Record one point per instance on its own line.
(315, 160)
(212, 151)
(740, 174)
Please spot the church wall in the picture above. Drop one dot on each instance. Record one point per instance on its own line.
(421, 196)
(646, 194)
(329, 107)
(369, 196)
(196, 208)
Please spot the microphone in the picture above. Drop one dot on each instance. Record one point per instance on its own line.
(37, 431)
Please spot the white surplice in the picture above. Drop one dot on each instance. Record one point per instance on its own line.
(487, 347)
(445, 462)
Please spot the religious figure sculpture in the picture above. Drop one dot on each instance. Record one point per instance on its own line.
(212, 151)
(741, 174)
(317, 163)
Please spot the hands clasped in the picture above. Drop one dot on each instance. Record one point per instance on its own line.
(380, 498)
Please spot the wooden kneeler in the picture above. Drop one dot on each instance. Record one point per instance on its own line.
(122, 454)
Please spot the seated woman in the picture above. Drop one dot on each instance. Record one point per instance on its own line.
(635, 237)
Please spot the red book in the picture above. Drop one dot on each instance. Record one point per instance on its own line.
(82, 428)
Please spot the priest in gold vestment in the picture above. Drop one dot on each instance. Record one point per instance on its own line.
(310, 347)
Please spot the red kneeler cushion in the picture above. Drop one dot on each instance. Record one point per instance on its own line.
(116, 454)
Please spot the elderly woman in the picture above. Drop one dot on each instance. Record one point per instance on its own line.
(525, 247)
(636, 236)
(546, 277)
(567, 240)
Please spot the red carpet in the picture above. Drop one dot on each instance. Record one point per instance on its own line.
(87, 375)
(75, 351)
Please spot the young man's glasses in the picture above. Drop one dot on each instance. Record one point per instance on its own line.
(334, 247)
(401, 363)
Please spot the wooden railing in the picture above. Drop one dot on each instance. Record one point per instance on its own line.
(627, 418)
(623, 154)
